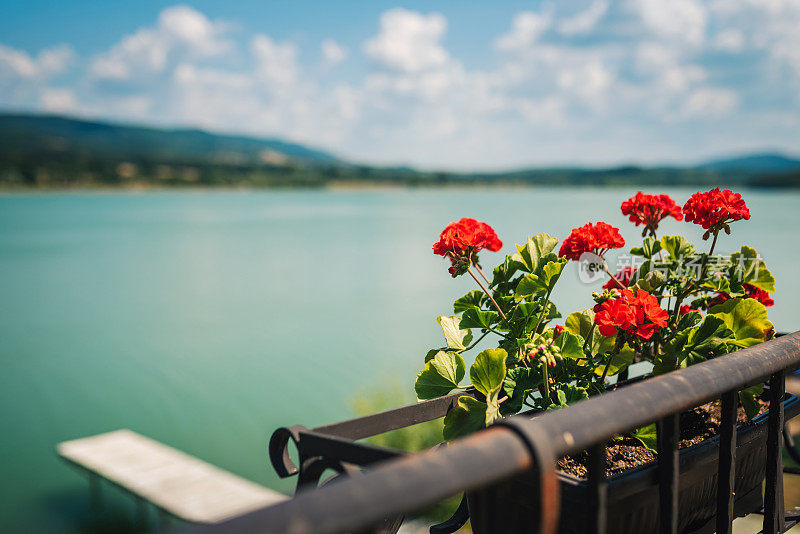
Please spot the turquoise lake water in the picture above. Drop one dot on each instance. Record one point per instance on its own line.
(207, 319)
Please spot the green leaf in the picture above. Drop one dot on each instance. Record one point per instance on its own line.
(455, 337)
(492, 409)
(582, 324)
(648, 435)
(723, 285)
(688, 320)
(677, 246)
(474, 318)
(468, 417)
(748, 267)
(472, 300)
(572, 394)
(567, 395)
(551, 272)
(528, 255)
(649, 248)
(749, 399)
(650, 282)
(571, 345)
(441, 375)
(430, 354)
(747, 318)
(618, 362)
(489, 371)
(503, 272)
(542, 281)
(519, 382)
(529, 286)
(695, 344)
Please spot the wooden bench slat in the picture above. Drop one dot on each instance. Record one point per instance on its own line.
(178, 483)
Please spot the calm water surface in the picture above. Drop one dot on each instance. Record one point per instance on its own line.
(206, 320)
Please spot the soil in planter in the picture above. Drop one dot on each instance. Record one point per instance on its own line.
(697, 425)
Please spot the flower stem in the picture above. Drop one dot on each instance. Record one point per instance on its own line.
(544, 310)
(477, 341)
(546, 377)
(480, 271)
(704, 267)
(605, 371)
(497, 307)
(705, 259)
(614, 278)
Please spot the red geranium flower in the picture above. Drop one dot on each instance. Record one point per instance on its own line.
(650, 210)
(625, 277)
(461, 241)
(715, 209)
(634, 314)
(684, 309)
(596, 238)
(750, 292)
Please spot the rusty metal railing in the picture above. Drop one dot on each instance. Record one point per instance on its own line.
(397, 483)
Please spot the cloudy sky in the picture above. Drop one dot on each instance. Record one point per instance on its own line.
(456, 84)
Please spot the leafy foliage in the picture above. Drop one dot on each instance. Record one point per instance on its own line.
(681, 307)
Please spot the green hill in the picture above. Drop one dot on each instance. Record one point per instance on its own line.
(51, 151)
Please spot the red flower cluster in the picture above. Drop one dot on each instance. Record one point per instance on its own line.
(597, 238)
(650, 210)
(715, 209)
(461, 241)
(635, 314)
(750, 292)
(625, 277)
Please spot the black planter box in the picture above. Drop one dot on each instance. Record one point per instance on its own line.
(633, 495)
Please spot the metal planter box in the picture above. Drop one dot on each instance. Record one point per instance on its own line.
(633, 495)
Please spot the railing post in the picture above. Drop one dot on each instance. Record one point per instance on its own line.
(727, 463)
(773, 491)
(598, 488)
(668, 437)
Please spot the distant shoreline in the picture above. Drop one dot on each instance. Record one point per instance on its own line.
(334, 187)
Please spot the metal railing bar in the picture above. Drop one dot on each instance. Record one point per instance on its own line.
(773, 492)
(727, 463)
(577, 427)
(378, 423)
(398, 486)
(598, 489)
(413, 481)
(668, 438)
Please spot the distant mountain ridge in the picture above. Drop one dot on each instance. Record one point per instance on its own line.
(49, 151)
(53, 133)
(767, 162)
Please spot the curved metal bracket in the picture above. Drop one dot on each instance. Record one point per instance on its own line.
(456, 521)
(279, 450)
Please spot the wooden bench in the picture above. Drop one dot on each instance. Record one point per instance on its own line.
(176, 483)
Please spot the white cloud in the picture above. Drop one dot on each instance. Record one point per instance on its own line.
(603, 82)
(17, 64)
(526, 28)
(710, 101)
(180, 32)
(409, 41)
(585, 21)
(59, 100)
(332, 52)
(729, 40)
(276, 63)
(680, 21)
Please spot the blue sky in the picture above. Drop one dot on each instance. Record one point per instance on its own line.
(460, 85)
